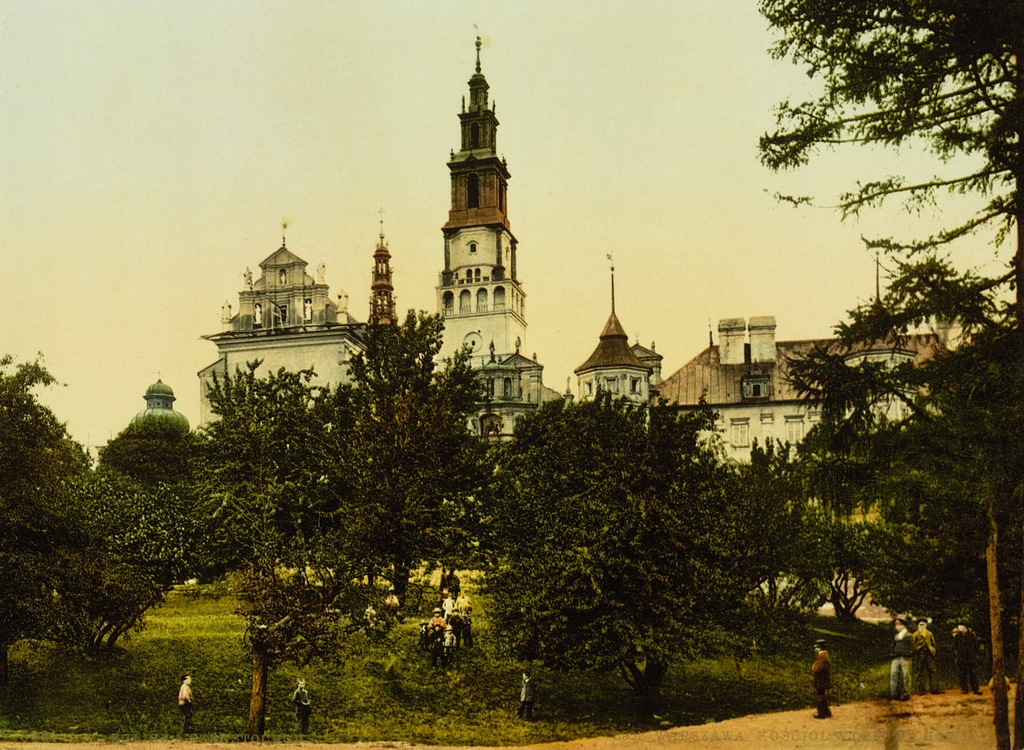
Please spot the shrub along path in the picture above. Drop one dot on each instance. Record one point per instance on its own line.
(950, 721)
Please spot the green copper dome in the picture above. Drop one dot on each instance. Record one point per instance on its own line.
(160, 388)
(159, 411)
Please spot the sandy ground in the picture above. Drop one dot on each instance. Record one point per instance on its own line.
(950, 721)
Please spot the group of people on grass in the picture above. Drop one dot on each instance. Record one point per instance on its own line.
(912, 652)
(449, 626)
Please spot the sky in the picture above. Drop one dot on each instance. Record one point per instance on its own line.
(150, 152)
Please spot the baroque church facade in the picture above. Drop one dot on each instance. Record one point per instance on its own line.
(286, 318)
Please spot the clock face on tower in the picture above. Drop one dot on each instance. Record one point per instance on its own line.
(473, 341)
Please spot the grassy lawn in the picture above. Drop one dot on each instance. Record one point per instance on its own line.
(388, 691)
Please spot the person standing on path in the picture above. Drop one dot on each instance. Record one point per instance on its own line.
(965, 652)
(185, 704)
(899, 671)
(924, 658)
(526, 696)
(821, 680)
(302, 708)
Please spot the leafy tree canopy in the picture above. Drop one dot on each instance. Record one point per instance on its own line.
(413, 464)
(40, 466)
(616, 544)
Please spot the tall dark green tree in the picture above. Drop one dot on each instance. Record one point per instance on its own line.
(414, 466)
(40, 467)
(281, 511)
(946, 75)
(794, 540)
(615, 542)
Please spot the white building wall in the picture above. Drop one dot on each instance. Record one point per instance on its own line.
(739, 425)
(327, 355)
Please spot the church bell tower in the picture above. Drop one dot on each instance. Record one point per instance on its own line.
(479, 293)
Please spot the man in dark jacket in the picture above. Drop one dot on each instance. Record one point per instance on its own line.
(899, 671)
(821, 680)
(526, 697)
(965, 651)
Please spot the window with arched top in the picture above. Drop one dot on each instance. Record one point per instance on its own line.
(476, 274)
(507, 387)
(499, 298)
(465, 302)
(448, 302)
(473, 191)
(474, 136)
(481, 300)
(472, 248)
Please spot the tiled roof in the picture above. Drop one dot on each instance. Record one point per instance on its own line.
(613, 350)
(705, 376)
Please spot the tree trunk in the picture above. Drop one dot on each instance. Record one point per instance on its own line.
(645, 678)
(5, 666)
(1018, 700)
(258, 698)
(400, 581)
(1000, 707)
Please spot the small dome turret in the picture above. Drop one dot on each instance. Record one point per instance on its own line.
(159, 409)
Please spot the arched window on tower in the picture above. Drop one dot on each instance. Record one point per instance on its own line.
(465, 302)
(473, 191)
(481, 300)
(501, 196)
(508, 388)
(499, 298)
(474, 136)
(448, 301)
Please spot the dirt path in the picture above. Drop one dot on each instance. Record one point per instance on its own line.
(950, 721)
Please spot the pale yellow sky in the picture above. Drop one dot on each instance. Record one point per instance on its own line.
(149, 152)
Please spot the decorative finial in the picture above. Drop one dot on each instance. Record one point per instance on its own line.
(381, 212)
(478, 54)
(284, 228)
(609, 256)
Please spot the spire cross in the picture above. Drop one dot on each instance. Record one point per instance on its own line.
(478, 54)
(381, 212)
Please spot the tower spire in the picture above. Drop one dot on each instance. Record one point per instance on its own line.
(478, 54)
(382, 301)
(609, 256)
(877, 308)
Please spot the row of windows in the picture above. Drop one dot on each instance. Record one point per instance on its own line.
(739, 431)
(509, 388)
(279, 313)
(497, 301)
(611, 385)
